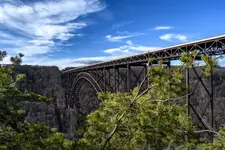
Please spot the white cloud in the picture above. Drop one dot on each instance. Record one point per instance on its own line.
(163, 28)
(31, 50)
(121, 36)
(66, 62)
(6, 60)
(125, 50)
(117, 38)
(129, 49)
(42, 22)
(174, 37)
(8, 40)
(129, 42)
(39, 42)
(61, 32)
(112, 50)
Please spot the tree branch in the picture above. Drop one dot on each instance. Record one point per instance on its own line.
(137, 96)
(202, 131)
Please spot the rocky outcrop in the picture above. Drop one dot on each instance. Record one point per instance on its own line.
(47, 82)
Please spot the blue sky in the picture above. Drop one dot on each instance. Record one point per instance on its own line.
(77, 32)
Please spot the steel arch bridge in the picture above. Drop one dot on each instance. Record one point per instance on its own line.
(125, 73)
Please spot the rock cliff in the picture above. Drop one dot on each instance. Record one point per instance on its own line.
(47, 82)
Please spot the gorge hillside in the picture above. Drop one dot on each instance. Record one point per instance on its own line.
(47, 82)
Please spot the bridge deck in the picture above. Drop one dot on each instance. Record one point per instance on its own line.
(211, 46)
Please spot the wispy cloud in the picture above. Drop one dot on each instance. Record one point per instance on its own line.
(41, 42)
(125, 50)
(43, 22)
(129, 49)
(174, 37)
(117, 38)
(121, 36)
(163, 28)
(66, 62)
(121, 24)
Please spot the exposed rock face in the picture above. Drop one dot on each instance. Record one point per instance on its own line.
(47, 82)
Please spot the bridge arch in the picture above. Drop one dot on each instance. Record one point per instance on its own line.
(83, 101)
(88, 77)
(78, 82)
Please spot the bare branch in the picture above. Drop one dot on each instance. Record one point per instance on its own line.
(202, 131)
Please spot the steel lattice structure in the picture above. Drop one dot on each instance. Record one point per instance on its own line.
(125, 73)
(211, 46)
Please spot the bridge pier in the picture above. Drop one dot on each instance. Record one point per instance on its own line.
(128, 78)
(115, 80)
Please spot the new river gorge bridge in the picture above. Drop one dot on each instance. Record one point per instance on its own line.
(123, 74)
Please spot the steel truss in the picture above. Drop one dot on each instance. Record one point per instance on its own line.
(202, 113)
(211, 46)
(122, 75)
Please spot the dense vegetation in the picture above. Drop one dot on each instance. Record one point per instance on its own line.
(152, 118)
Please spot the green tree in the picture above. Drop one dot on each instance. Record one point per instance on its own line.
(145, 119)
(15, 132)
(217, 144)
(2, 55)
(17, 60)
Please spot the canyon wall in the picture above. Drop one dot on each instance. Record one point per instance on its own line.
(47, 81)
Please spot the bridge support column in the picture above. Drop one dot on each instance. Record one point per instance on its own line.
(149, 65)
(114, 75)
(145, 75)
(118, 78)
(187, 76)
(188, 91)
(108, 78)
(105, 78)
(169, 66)
(128, 78)
(212, 99)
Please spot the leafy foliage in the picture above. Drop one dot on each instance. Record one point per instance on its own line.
(17, 60)
(2, 55)
(33, 136)
(218, 144)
